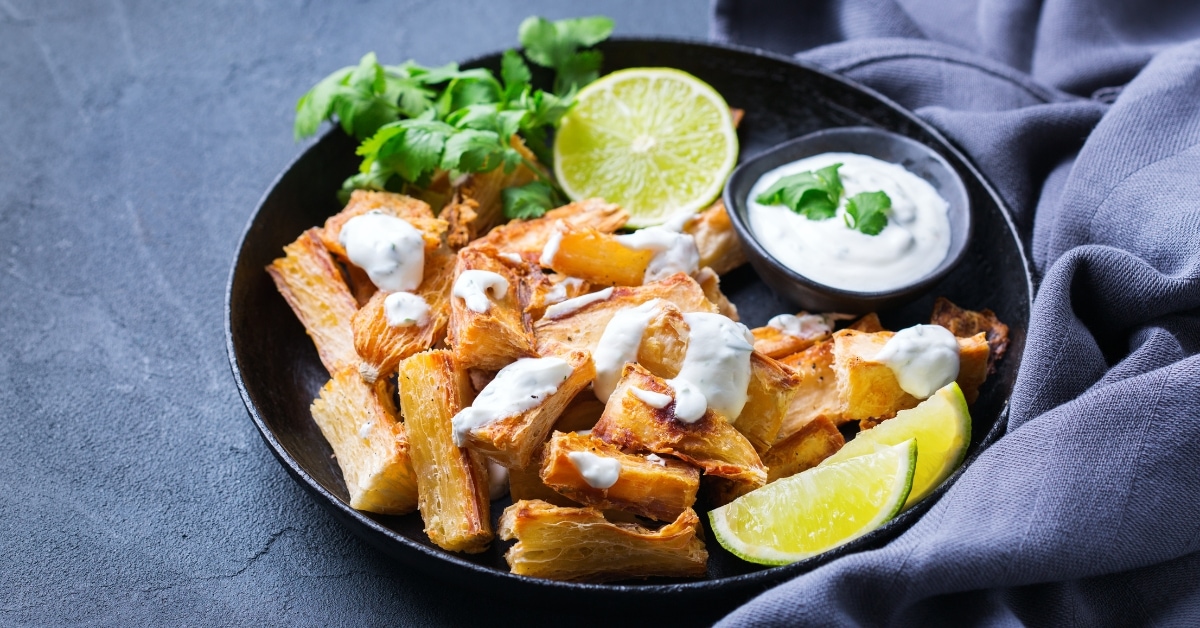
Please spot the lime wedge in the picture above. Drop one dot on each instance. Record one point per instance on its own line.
(941, 426)
(656, 141)
(817, 510)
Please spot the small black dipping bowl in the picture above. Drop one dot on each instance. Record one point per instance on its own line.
(880, 144)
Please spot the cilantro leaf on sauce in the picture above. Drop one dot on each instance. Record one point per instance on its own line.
(814, 195)
(867, 212)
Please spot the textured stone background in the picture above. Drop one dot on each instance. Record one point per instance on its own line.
(135, 139)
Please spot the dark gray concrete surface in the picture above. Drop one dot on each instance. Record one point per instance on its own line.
(135, 139)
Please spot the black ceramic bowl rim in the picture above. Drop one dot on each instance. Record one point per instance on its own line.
(959, 207)
(477, 575)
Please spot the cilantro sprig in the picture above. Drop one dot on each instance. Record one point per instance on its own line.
(415, 121)
(817, 194)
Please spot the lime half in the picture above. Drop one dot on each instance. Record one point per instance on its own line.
(941, 426)
(655, 141)
(817, 510)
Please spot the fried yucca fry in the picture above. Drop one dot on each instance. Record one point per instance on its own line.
(710, 283)
(477, 205)
(806, 448)
(710, 443)
(582, 328)
(413, 211)
(967, 323)
(659, 490)
(452, 482)
(716, 240)
(371, 446)
(527, 484)
(511, 441)
(597, 257)
(772, 387)
(528, 237)
(580, 544)
(868, 390)
(381, 346)
(490, 340)
(312, 285)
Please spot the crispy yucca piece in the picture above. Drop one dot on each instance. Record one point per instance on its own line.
(580, 544)
(492, 339)
(710, 443)
(371, 446)
(414, 211)
(967, 323)
(527, 484)
(511, 441)
(658, 490)
(546, 290)
(664, 342)
(528, 237)
(381, 346)
(312, 285)
(868, 390)
(806, 448)
(772, 387)
(452, 482)
(582, 328)
(716, 240)
(777, 344)
(597, 257)
(710, 283)
(477, 204)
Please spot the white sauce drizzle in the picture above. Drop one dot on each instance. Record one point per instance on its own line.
(518, 387)
(497, 480)
(619, 344)
(364, 430)
(598, 471)
(405, 309)
(390, 249)
(475, 286)
(656, 460)
(674, 252)
(570, 306)
(803, 326)
(716, 368)
(552, 244)
(558, 293)
(923, 357)
(915, 241)
(512, 257)
(653, 399)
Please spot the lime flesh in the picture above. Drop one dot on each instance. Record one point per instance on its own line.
(657, 141)
(817, 510)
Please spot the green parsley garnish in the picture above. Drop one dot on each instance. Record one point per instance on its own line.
(867, 212)
(814, 195)
(415, 121)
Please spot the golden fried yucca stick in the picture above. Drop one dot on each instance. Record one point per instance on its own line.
(580, 544)
(710, 443)
(452, 482)
(527, 484)
(381, 346)
(528, 237)
(806, 448)
(772, 387)
(597, 257)
(710, 283)
(312, 285)
(868, 390)
(477, 204)
(659, 490)
(582, 328)
(716, 240)
(371, 446)
(511, 441)
(966, 323)
(492, 339)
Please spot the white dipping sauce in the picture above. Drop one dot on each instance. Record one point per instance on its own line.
(518, 387)
(390, 249)
(497, 480)
(923, 357)
(552, 243)
(803, 326)
(558, 293)
(655, 400)
(405, 309)
(914, 242)
(674, 252)
(559, 310)
(619, 344)
(716, 368)
(474, 287)
(598, 471)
